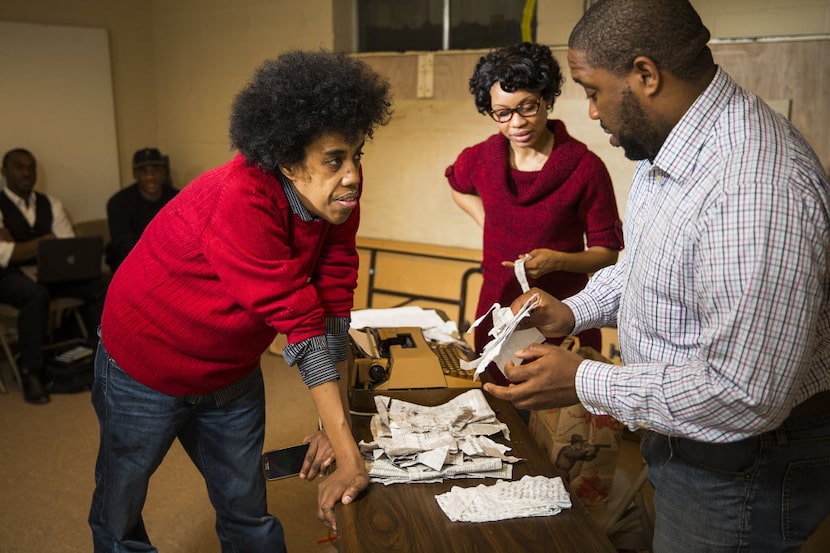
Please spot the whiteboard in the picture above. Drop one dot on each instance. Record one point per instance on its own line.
(56, 101)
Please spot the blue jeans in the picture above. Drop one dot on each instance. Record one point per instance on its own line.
(138, 426)
(762, 494)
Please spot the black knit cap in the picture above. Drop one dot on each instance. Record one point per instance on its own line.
(147, 156)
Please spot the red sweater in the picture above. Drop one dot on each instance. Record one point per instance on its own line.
(566, 204)
(222, 269)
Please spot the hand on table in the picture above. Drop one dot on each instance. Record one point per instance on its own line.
(344, 485)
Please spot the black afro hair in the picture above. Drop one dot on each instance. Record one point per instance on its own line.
(298, 96)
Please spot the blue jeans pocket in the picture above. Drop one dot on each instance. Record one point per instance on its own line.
(801, 482)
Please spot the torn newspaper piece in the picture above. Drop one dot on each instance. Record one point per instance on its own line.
(433, 326)
(416, 443)
(532, 496)
(519, 271)
(506, 339)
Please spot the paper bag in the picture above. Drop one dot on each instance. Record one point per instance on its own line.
(582, 445)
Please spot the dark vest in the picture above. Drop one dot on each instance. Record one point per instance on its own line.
(16, 223)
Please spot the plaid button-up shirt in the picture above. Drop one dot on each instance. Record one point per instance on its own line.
(721, 298)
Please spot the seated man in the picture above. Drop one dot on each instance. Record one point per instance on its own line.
(131, 209)
(26, 218)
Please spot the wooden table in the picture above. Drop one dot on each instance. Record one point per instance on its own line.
(407, 518)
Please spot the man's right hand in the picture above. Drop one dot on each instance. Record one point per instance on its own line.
(552, 317)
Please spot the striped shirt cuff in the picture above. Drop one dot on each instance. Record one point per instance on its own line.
(312, 359)
(582, 306)
(337, 337)
(593, 386)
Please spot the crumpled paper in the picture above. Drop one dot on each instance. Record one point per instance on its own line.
(506, 339)
(532, 496)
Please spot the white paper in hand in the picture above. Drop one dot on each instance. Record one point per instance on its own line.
(519, 271)
(506, 339)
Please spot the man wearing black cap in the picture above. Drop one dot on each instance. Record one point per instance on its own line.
(130, 210)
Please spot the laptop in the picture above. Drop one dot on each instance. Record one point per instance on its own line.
(69, 259)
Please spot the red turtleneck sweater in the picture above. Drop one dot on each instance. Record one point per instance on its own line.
(567, 204)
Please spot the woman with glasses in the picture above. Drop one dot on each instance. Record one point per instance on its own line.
(538, 193)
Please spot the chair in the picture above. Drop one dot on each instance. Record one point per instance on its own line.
(93, 227)
(59, 308)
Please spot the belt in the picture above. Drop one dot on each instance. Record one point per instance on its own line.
(814, 405)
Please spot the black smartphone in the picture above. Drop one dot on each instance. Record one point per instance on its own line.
(285, 462)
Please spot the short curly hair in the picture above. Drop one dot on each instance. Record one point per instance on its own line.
(10, 153)
(523, 66)
(297, 97)
(611, 34)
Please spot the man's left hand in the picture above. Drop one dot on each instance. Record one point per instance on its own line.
(546, 380)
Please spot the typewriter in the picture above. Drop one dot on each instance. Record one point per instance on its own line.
(400, 358)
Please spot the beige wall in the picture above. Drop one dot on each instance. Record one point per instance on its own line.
(177, 64)
(724, 18)
(57, 102)
(206, 51)
(404, 166)
(130, 27)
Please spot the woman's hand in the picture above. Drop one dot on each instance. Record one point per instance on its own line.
(539, 262)
(349, 478)
(344, 484)
(319, 457)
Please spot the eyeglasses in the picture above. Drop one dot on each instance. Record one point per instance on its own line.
(525, 110)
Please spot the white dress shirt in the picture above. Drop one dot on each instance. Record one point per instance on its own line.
(61, 225)
(721, 300)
